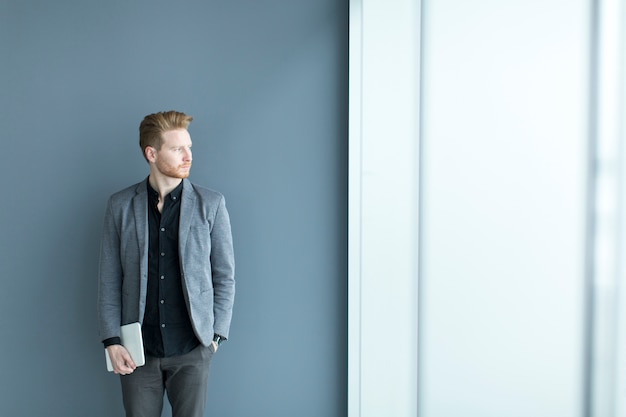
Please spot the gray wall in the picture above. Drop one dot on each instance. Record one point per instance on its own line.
(266, 83)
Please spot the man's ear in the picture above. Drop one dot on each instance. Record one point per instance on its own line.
(150, 153)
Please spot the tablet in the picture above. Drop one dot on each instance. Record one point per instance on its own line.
(133, 342)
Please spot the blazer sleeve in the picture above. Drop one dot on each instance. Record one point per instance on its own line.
(109, 278)
(222, 270)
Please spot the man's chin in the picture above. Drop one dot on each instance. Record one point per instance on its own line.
(178, 175)
(184, 173)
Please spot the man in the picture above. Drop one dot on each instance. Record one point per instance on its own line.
(166, 261)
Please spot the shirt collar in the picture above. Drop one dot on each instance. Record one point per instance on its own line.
(173, 195)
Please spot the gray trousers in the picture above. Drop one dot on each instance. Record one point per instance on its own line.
(185, 379)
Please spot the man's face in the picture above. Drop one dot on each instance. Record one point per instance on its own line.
(174, 158)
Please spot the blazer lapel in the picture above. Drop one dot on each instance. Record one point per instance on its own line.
(140, 206)
(186, 212)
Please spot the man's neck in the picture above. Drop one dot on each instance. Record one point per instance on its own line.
(162, 184)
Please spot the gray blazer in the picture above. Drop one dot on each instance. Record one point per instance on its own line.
(206, 257)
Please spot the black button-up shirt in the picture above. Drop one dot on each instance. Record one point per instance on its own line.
(167, 329)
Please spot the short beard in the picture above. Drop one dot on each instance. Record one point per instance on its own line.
(174, 172)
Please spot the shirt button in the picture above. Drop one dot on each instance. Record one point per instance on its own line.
(162, 276)
(163, 325)
(162, 253)
(162, 301)
(174, 198)
(163, 229)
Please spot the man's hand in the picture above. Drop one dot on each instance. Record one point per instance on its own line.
(120, 359)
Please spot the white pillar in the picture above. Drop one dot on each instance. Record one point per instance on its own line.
(383, 207)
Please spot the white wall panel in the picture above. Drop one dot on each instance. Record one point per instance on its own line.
(505, 136)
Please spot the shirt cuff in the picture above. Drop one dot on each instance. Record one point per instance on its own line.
(112, 341)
